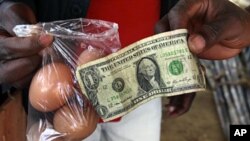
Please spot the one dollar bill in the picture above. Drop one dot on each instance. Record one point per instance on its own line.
(157, 66)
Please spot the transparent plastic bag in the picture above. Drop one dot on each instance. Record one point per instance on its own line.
(58, 110)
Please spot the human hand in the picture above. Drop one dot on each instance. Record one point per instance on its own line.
(179, 104)
(218, 29)
(18, 56)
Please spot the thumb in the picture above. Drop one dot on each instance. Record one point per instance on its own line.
(196, 43)
(206, 37)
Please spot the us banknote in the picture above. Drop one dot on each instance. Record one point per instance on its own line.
(157, 66)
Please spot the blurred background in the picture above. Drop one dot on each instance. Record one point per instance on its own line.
(201, 123)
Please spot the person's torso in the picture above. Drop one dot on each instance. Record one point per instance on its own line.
(136, 19)
(51, 10)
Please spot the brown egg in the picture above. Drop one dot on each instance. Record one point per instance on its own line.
(90, 54)
(76, 121)
(51, 87)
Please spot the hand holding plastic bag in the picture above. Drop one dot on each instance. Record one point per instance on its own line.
(58, 110)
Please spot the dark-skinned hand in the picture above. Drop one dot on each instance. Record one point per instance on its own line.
(19, 57)
(217, 29)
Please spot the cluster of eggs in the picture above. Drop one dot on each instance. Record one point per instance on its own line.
(52, 89)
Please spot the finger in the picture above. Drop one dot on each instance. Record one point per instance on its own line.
(23, 82)
(175, 102)
(219, 53)
(208, 35)
(180, 104)
(4, 33)
(14, 14)
(180, 15)
(171, 111)
(186, 105)
(176, 18)
(226, 30)
(15, 47)
(162, 25)
(14, 70)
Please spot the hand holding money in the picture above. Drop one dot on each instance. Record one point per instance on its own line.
(157, 66)
(218, 29)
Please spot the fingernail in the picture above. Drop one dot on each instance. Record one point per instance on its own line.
(45, 40)
(171, 109)
(196, 43)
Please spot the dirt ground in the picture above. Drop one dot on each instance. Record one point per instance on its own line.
(201, 123)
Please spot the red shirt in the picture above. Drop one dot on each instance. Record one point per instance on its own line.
(136, 18)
